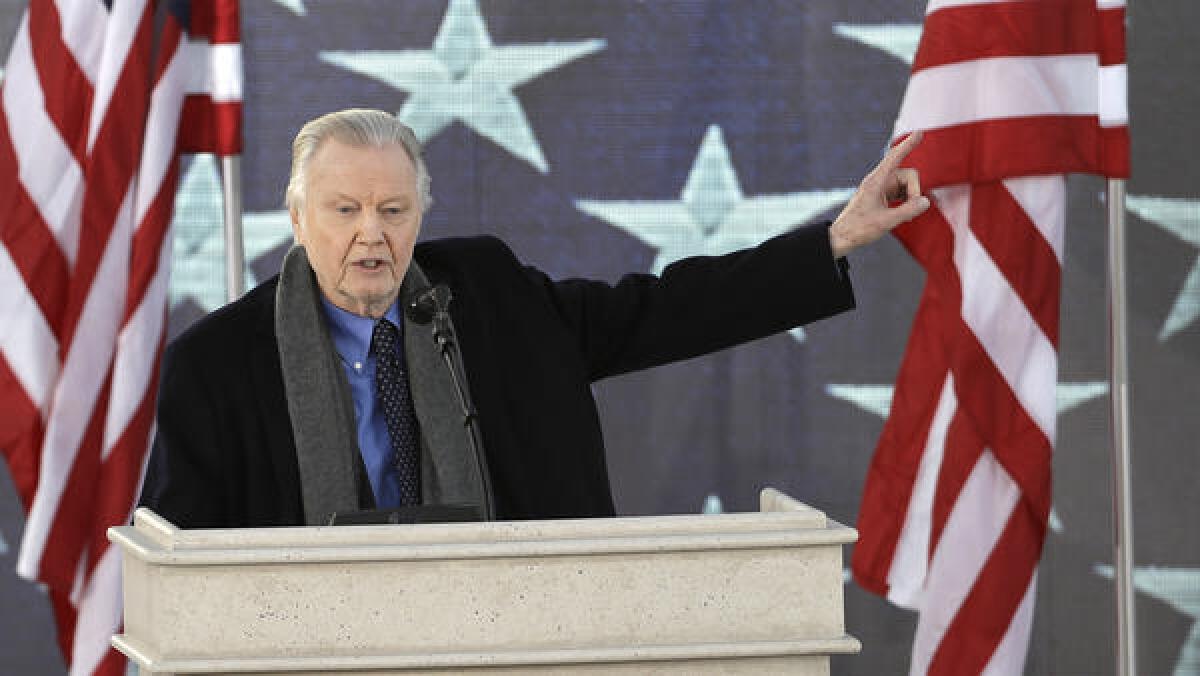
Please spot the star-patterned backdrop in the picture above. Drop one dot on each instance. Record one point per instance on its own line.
(599, 137)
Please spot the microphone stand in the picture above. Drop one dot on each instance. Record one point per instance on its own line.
(443, 335)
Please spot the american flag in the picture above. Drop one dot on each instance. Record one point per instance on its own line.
(92, 101)
(1012, 95)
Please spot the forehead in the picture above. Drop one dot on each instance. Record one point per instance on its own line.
(342, 166)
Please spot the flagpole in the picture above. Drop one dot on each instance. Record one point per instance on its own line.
(1118, 378)
(235, 259)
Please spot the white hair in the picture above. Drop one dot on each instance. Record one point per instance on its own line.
(360, 127)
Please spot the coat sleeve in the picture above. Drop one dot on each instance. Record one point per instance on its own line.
(702, 304)
(184, 477)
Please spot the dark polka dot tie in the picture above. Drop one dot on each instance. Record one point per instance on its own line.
(393, 395)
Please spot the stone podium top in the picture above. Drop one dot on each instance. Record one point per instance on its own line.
(782, 521)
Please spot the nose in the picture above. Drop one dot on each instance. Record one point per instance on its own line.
(370, 230)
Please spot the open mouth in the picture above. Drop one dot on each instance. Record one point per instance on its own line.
(370, 263)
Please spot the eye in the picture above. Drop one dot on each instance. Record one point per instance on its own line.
(392, 212)
(345, 209)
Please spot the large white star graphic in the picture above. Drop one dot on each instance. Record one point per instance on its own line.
(897, 39)
(712, 217)
(294, 6)
(1179, 588)
(877, 399)
(465, 77)
(198, 264)
(1180, 217)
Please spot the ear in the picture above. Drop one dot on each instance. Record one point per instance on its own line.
(297, 230)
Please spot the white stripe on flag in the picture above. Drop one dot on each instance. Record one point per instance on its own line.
(133, 364)
(216, 70)
(28, 345)
(976, 521)
(999, 88)
(118, 38)
(158, 147)
(935, 5)
(46, 167)
(1003, 325)
(910, 563)
(99, 613)
(225, 69)
(1114, 102)
(83, 32)
(78, 389)
(1045, 202)
(1009, 657)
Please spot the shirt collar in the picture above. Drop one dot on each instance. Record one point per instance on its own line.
(351, 333)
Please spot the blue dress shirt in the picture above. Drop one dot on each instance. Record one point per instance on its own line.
(351, 336)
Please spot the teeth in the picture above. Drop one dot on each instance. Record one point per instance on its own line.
(370, 264)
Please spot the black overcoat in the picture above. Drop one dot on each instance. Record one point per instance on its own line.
(224, 454)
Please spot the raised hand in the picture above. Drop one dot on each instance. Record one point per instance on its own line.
(868, 216)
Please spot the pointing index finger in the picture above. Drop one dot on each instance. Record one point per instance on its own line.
(900, 151)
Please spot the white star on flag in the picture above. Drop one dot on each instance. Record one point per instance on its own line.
(465, 77)
(198, 264)
(712, 217)
(1180, 217)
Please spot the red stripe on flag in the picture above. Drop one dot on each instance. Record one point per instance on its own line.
(1048, 144)
(172, 37)
(1020, 252)
(65, 87)
(961, 453)
(1019, 444)
(30, 243)
(148, 241)
(216, 20)
(1114, 152)
(208, 127)
(71, 527)
(990, 415)
(121, 472)
(1112, 36)
(893, 470)
(892, 474)
(1043, 28)
(64, 618)
(20, 434)
(114, 160)
(984, 616)
(113, 664)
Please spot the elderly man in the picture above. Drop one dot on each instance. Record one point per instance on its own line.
(315, 393)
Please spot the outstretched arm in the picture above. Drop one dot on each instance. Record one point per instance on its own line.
(868, 216)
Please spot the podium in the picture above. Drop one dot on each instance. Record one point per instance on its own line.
(741, 593)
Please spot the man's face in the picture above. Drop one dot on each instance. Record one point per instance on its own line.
(358, 223)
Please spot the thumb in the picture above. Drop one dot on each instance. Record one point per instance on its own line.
(910, 209)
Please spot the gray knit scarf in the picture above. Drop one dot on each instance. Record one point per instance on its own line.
(322, 408)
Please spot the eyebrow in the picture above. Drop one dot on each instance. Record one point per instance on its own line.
(394, 198)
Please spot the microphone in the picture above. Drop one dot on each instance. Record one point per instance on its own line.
(431, 305)
(424, 304)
